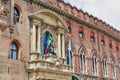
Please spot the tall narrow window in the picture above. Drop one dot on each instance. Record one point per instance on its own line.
(92, 37)
(102, 41)
(69, 27)
(47, 44)
(13, 51)
(69, 53)
(117, 48)
(82, 58)
(16, 15)
(94, 62)
(110, 44)
(104, 63)
(81, 33)
(113, 68)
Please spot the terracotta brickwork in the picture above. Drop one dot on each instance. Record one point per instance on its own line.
(58, 14)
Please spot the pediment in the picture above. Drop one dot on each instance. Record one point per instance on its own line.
(50, 18)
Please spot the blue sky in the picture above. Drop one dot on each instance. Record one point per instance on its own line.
(107, 10)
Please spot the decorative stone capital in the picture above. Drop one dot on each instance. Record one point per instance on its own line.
(36, 22)
(61, 31)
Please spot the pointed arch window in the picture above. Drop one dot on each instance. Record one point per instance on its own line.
(83, 60)
(94, 62)
(113, 68)
(16, 15)
(104, 63)
(47, 44)
(14, 51)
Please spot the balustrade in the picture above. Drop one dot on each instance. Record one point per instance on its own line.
(41, 61)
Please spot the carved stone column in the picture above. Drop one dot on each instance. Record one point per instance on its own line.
(59, 44)
(63, 46)
(33, 42)
(39, 39)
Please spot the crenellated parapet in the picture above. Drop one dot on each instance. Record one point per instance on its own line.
(79, 16)
(85, 16)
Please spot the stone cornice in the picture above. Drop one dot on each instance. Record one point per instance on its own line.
(73, 18)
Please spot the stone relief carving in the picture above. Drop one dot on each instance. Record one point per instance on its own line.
(4, 8)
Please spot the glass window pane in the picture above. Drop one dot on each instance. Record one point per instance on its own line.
(14, 47)
(14, 55)
(13, 51)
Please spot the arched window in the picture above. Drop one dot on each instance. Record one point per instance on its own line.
(102, 41)
(14, 51)
(92, 37)
(68, 27)
(94, 62)
(104, 64)
(83, 59)
(69, 53)
(47, 44)
(113, 68)
(16, 15)
(81, 34)
(110, 44)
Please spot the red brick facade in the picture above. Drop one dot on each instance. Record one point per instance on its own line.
(105, 40)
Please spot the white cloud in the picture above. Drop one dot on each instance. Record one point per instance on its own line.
(107, 10)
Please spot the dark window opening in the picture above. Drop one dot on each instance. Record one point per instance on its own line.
(81, 34)
(94, 62)
(102, 42)
(117, 49)
(69, 29)
(92, 39)
(104, 62)
(110, 45)
(16, 15)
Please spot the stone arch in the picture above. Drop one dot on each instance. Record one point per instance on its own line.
(112, 58)
(19, 46)
(20, 11)
(44, 12)
(48, 31)
(104, 55)
(94, 52)
(83, 48)
(18, 7)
